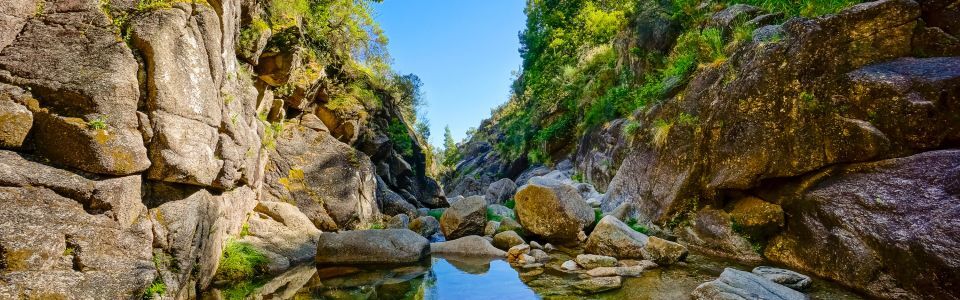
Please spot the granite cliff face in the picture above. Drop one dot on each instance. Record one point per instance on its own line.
(138, 139)
(824, 144)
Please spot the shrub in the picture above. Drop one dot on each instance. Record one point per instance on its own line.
(436, 213)
(636, 227)
(661, 130)
(400, 137)
(510, 203)
(491, 216)
(240, 261)
(156, 288)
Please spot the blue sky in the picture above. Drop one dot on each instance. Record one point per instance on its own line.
(462, 50)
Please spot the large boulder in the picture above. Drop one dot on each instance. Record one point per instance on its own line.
(735, 285)
(552, 210)
(755, 217)
(611, 237)
(467, 246)
(329, 181)
(500, 191)
(371, 247)
(281, 228)
(467, 217)
(885, 228)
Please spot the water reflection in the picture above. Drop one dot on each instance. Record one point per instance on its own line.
(466, 278)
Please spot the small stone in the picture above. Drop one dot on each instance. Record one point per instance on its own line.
(540, 255)
(426, 226)
(598, 284)
(590, 261)
(535, 245)
(784, 277)
(525, 259)
(515, 252)
(549, 247)
(570, 265)
(491, 228)
(632, 271)
(532, 266)
(508, 224)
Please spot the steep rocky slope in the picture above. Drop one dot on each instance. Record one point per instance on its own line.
(140, 137)
(823, 144)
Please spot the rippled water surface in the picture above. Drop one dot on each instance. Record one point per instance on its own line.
(470, 278)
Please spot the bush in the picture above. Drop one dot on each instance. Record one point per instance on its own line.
(636, 227)
(400, 137)
(156, 288)
(436, 213)
(240, 261)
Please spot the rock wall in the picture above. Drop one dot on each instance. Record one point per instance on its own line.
(135, 142)
(804, 146)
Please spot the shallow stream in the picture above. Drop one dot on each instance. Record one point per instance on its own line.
(467, 279)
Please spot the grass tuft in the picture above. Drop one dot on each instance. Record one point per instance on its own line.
(240, 261)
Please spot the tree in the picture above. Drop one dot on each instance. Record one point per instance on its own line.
(450, 152)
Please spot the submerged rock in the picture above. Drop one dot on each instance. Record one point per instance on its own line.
(464, 218)
(590, 261)
(552, 210)
(467, 246)
(735, 284)
(784, 277)
(598, 284)
(371, 247)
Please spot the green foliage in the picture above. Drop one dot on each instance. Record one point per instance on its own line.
(242, 290)
(511, 204)
(400, 137)
(577, 176)
(491, 216)
(436, 213)
(661, 131)
(572, 79)
(240, 261)
(245, 229)
(451, 154)
(637, 227)
(271, 134)
(156, 288)
(100, 123)
(597, 215)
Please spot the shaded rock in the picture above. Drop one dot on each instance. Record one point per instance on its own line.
(491, 228)
(756, 217)
(425, 226)
(552, 210)
(879, 204)
(400, 221)
(598, 284)
(612, 237)
(15, 121)
(535, 245)
(590, 261)
(371, 247)
(711, 231)
(549, 247)
(664, 252)
(508, 224)
(392, 203)
(467, 246)
(736, 284)
(500, 191)
(455, 199)
(600, 151)
(332, 183)
(467, 217)
(507, 239)
(784, 277)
